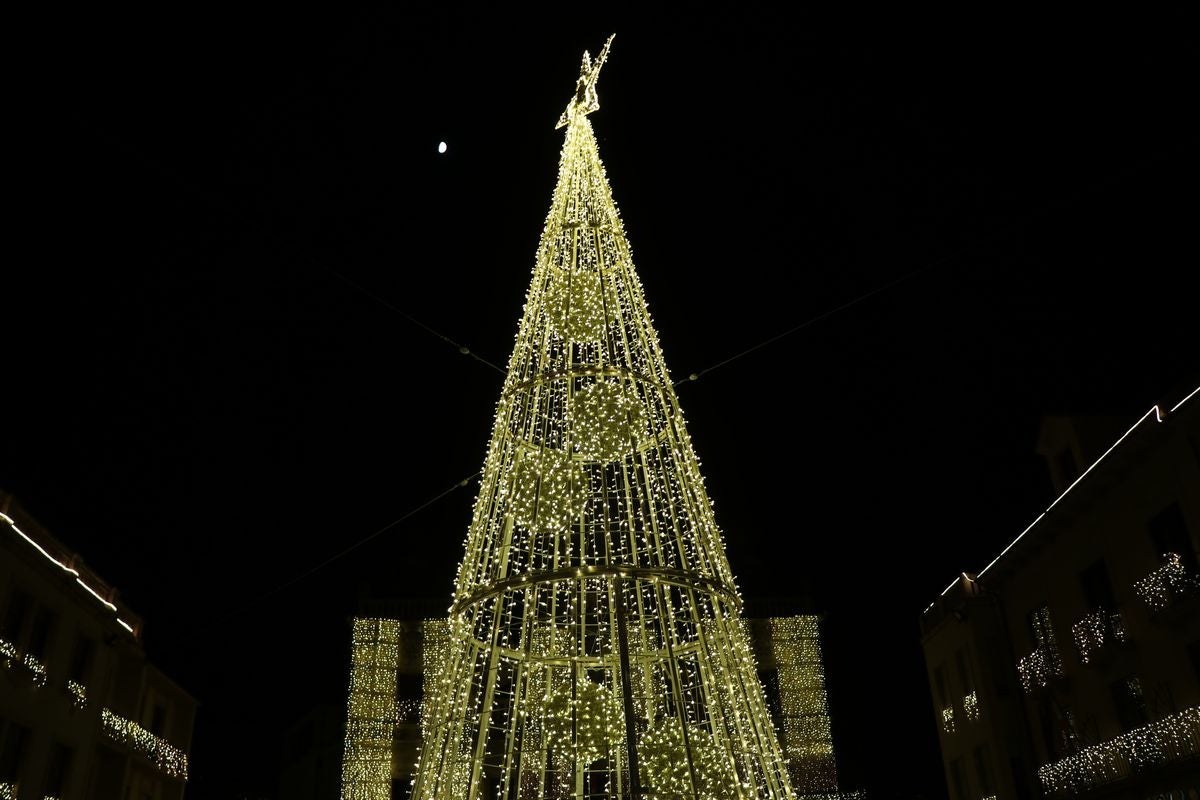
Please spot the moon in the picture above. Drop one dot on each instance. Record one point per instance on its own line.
(441, 147)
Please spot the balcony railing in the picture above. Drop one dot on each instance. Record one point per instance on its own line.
(1097, 631)
(1172, 738)
(1040, 668)
(164, 755)
(1168, 585)
(14, 658)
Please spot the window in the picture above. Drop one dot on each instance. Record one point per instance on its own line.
(1097, 586)
(158, 720)
(58, 770)
(40, 633)
(1168, 531)
(983, 771)
(20, 604)
(965, 681)
(1041, 631)
(1129, 702)
(939, 683)
(1058, 728)
(13, 742)
(81, 660)
(959, 785)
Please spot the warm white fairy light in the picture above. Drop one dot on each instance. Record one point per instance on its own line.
(8, 791)
(1040, 667)
(582, 723)
(408, 710)
(164, 755)
(806, 734)
(948, 719)
(11, 654)
(371, 712)
(1095, 630)
(592, 546)
(1164, 585)
(971, 706)
(78, 694)
(1170, 739)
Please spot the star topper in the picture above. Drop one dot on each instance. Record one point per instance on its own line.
(585, 100)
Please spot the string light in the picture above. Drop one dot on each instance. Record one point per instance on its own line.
(1039, 668)
(1095, 630)
(593, 633)
(971, 707)
(1166, 584)
(164, 755)
(1172, 738)
(78, 694)
(12, 655)
(807, 737)
(8, 791)
(371, 710)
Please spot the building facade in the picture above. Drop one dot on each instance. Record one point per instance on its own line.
(83, 714)
(395, 662)
(1070, 665)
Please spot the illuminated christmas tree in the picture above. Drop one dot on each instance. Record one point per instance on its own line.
(594, 646)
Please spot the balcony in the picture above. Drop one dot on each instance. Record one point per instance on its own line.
(1098, 635)
(1171, 739)
(1171, 586)
(1040, 668)
(168, 758)
(23, 665)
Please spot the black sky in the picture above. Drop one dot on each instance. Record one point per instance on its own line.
(225, 222)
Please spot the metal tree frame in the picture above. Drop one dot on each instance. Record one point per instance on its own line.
(594, 647)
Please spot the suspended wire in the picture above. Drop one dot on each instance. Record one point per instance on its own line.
(297, 578)
(218, 203)
(812, 321)
(466, 351)
(226, 208)
(1063, 202)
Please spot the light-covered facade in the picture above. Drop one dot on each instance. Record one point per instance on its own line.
(83, 714)
(384, 707)
(1070, 665)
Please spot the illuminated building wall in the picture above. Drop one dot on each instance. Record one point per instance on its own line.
(371, 710)
(82, 712)
(1070, 664)
(787, 649)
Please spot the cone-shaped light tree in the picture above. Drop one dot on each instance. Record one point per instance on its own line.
(595, 647)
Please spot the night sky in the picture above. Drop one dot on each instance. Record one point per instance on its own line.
(228, 228)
